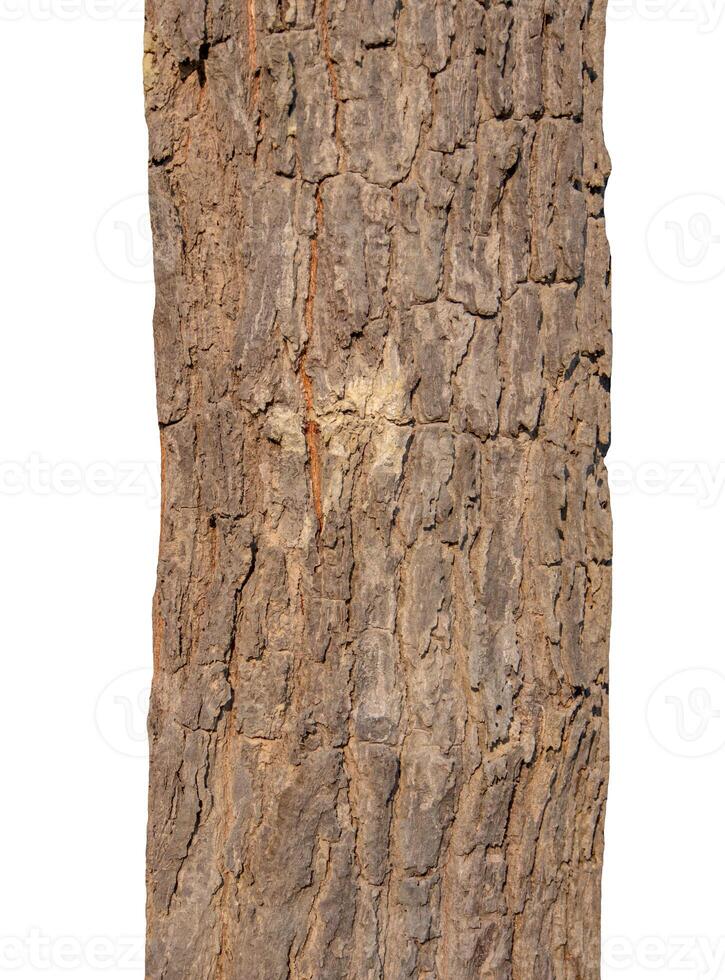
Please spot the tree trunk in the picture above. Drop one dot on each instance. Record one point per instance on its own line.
(378, 722)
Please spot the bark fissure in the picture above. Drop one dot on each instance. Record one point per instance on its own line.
(312, 427)
(253, 66)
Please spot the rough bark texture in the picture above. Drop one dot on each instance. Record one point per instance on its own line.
(378, 723)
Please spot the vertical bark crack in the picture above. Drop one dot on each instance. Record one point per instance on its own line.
(327, 50)
(253, 65)
(312, 427)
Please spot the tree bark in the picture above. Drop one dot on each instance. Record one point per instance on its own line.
(378, 721)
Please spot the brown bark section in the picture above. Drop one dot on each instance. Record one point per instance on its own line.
(378, 723)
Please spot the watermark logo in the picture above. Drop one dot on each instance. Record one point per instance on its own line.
(686, 713)
(704, 15)
(71, 10)
(41, 477)
(38, 951)
(701, 482)
(123, 240)
(702, 956)
(686, 238)
(121, 712)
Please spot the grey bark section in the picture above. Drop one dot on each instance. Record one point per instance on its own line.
(378, 722)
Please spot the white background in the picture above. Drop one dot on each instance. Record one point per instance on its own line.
(79, 489)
